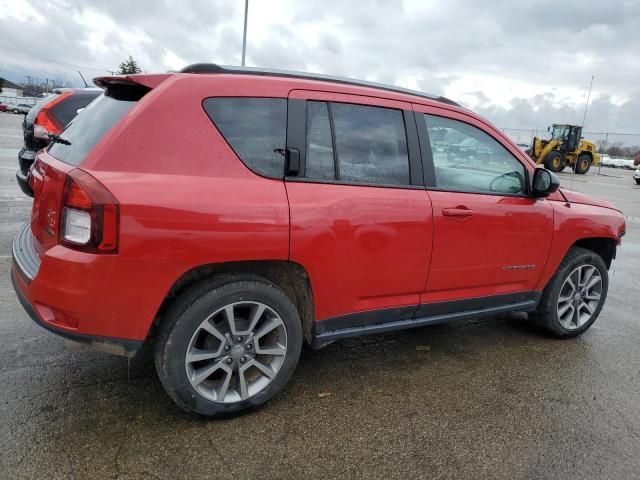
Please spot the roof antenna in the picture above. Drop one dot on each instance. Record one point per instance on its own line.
(85, 82)
(584, 118)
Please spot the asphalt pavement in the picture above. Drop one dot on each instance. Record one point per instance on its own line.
(487, 398)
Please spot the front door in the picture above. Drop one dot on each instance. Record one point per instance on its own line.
(361, 223)
(491, 238)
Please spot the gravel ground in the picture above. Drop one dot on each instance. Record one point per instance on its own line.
(490, 398)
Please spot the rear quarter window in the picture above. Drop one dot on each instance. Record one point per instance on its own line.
(254, 128)
(88, 127)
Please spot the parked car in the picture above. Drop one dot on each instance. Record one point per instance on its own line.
(20, 108)
(49, 117)
(228, 215)
(636, 176)
(3, 107)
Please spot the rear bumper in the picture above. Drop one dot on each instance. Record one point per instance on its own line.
(23, 183)
(116, 346)
(25, 160)
(65, 293)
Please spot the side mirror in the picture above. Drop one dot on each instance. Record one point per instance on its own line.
(544, 182)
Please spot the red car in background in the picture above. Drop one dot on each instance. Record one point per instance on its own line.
(3, 107)
(229, 215)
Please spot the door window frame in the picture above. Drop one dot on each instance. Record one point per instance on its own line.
(428, 164)
(297, 134)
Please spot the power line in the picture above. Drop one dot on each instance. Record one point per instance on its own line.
(51, 60)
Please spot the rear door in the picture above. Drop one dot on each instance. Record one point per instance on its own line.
(361, 221)
(491, 237)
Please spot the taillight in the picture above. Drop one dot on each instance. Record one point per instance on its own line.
(45, 123)
(90, 215)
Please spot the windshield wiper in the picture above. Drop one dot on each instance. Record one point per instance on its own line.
(58, 139)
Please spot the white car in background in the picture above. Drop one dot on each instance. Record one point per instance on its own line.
(19, 108)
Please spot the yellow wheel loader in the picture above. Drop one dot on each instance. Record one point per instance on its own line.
(565, 148)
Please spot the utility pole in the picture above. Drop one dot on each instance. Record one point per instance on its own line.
(244, 33)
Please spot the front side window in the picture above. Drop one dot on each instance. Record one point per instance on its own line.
(255, 128)
(466, 159)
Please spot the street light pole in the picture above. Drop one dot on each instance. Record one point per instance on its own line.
(244, 33)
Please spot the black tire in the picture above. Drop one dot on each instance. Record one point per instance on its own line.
(16, 111)
(186, 314)
(546, 315)
(583, 164)
(637, 181)
(554, 161)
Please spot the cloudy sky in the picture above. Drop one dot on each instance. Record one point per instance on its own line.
(522, 64)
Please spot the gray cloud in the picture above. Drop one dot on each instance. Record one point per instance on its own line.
(524, 64)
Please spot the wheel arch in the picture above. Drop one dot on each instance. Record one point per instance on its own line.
(289, 276)
(605, 247)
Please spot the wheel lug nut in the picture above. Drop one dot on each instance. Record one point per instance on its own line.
(239, 339)
(249, 346)
(242, 359)
(226, 348)
(229, 361)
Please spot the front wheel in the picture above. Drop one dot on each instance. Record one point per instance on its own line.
(554, 161)
(637, 181)
(574, 297)
(228, 347)
(15, 110)
(583, 164)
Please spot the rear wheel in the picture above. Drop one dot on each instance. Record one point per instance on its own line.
(554, 161)
(574, 297)
(15, 110)
(227, 347)
(637, 181)
(583, 164)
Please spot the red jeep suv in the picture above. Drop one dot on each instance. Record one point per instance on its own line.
(228, 215)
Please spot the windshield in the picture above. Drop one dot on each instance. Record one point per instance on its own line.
(86, 129)
(559, 132)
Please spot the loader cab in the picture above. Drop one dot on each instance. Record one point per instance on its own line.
(568, 135)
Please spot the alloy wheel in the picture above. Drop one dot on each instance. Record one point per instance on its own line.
(236, 352)
(579, 297)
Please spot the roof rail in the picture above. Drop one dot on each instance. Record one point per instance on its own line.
(215, 68)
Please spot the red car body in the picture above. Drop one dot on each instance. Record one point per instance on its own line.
(3, 107)
(186, 203)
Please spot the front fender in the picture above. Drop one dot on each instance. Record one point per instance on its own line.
(576, 222)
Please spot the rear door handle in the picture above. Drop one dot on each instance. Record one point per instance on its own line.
(459, 212)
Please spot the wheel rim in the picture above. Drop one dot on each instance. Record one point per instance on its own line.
(556, 162)
(236, 352)
(579, 297)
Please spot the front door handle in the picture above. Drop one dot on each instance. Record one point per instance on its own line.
(459, 212)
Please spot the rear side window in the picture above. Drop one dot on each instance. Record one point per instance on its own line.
(369, 144)
(320, 163)
(254, 128)
(86, 129)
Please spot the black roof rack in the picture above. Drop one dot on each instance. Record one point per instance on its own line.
(214, 68)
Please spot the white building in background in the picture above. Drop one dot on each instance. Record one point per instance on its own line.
(10, 89)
